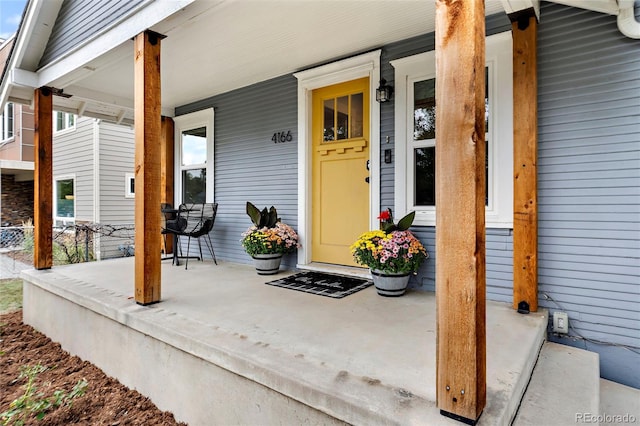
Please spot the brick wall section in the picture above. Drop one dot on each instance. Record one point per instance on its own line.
(17, 200)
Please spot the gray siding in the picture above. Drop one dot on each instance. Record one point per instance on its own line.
(117, 149)
(499, 263)
(589, 183)
(248, 165)
(499, 241)
(589, 177)
(73, 155)
(494, 24)
(78, 20)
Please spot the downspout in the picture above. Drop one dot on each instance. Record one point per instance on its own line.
(627, 23)
(96, 186)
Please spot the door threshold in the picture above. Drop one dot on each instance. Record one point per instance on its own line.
(350, 271)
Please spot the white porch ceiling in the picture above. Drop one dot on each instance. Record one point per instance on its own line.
(213, 47)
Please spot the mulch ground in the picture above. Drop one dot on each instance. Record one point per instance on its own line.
(106, 401)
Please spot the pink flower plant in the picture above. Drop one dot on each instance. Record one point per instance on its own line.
(391, 249)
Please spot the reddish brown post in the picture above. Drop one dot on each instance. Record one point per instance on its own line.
(42, 179)
(525, 174)
(147, 167)
(460, 209)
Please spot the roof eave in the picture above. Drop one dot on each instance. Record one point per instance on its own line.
(31, 39)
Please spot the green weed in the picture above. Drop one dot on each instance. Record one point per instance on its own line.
(35, 402)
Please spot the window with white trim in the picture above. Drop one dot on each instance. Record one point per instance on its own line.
(7, 122)
(415, 134)
(63, 121)
(129, 185)
(64, 208)
(194, 154)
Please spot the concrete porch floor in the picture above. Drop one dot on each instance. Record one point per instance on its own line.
(363, 359)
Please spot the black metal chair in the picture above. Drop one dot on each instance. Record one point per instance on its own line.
(169, 222)
(196, 221)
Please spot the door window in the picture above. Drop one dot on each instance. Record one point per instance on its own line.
(343, 117)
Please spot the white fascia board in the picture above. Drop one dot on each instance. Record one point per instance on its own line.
(22, 41)
(140, 19)
(20, 77)
(39, 14)
(512, 6)
(17, 165)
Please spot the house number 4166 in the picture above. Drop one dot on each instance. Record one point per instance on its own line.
(282, 137)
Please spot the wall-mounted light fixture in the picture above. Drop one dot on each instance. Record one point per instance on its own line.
(384, 92)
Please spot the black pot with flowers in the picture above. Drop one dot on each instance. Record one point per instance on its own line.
(392, 253)
(268, 239)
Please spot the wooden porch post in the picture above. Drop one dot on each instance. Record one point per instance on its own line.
(525, 149)
(42, 179)
(166, 170)
(460, 209)
(147, 167)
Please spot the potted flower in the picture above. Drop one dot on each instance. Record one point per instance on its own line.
(392, 253)
(267, 239)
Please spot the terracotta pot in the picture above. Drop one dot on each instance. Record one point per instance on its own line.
(390, 284)
(267, 264)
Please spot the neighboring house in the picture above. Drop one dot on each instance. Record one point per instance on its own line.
(16, 156)
(16, 164)
(242, 104)
(92, 171)
(93, 177)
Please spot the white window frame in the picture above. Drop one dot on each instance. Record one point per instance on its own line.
(7, 134)
(499, 211)
(128, 177)
(203, 118)
(63, 219)
(68, 127)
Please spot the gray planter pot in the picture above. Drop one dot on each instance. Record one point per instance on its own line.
(390, 284)
(267, 264)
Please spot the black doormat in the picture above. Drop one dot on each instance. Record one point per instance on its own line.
(330, 285)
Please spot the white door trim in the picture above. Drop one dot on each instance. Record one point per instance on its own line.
(365, 65)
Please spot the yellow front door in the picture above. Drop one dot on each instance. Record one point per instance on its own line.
(340, 201)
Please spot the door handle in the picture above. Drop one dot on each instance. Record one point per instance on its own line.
(366, 179)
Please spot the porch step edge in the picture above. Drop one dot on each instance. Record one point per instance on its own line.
(618, 403)
(564, 387)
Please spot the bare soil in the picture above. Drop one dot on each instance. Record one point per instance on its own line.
(106, 401)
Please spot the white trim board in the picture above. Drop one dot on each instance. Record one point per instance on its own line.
(499, 212)
(365, 65)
